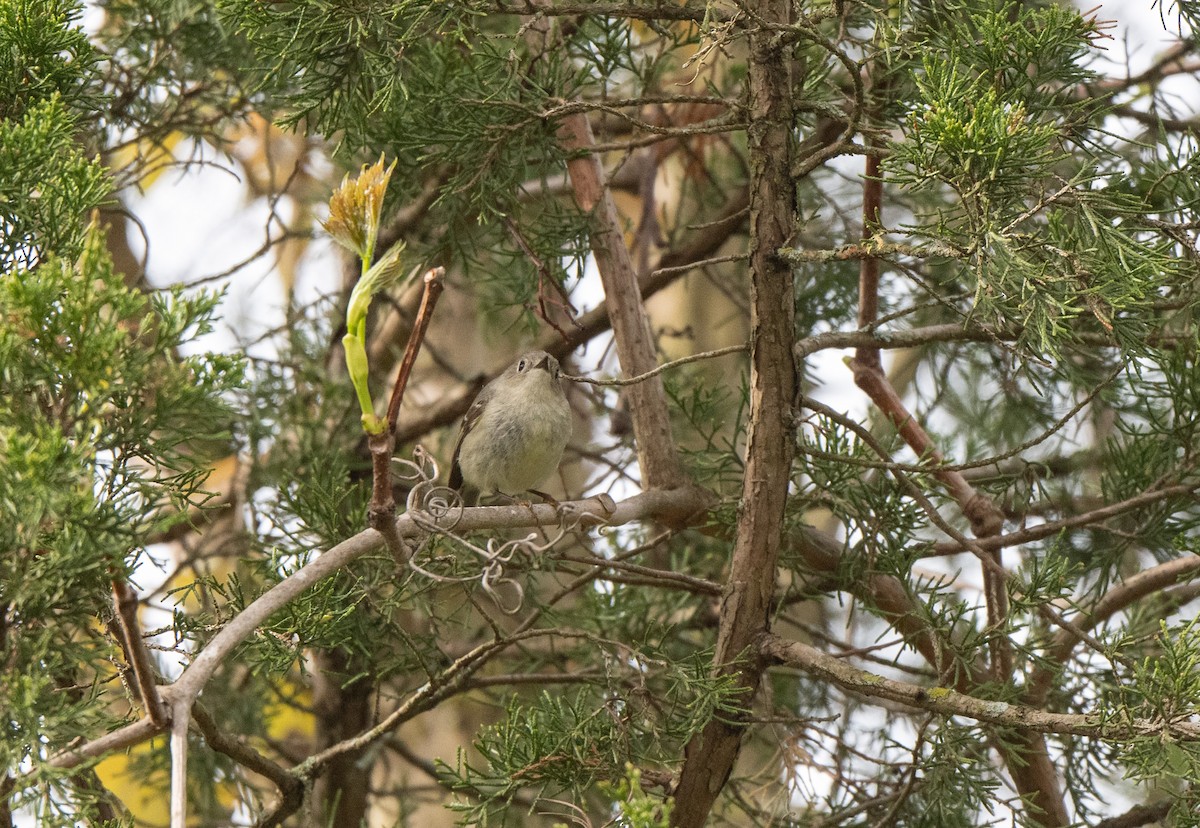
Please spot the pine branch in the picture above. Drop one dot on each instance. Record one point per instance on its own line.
(1133, 589)
(633, 10)
(1095, 516)
(894, 602)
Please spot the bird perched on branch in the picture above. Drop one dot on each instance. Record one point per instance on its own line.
(514, 433)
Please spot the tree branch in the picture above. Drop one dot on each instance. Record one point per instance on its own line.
(1137, 816)
(949, 332)
(666, 366)
(125, 737)
(1133, 589)
(291, 789)
(657, 457)
(949, 702)
(182, 694)
(635, 10)
(1045, 530)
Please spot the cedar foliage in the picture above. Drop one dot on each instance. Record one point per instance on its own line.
(1036, 244)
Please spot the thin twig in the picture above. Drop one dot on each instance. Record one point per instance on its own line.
(434, 281)
(659, 577)
(1051, 528)
(675, 363)
(545, 277)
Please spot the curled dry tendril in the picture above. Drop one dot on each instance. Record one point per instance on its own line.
(438, 510)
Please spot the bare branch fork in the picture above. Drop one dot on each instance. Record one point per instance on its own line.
(381, 516)
(666, 366)
(1027, 759)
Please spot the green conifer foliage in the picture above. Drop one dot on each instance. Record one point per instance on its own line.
(965, 230)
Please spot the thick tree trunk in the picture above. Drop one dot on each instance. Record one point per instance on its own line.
(343, 711)
(711, 754)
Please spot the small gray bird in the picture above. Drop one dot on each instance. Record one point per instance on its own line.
(514, 433)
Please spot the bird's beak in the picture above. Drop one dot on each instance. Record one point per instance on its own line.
(543, 363)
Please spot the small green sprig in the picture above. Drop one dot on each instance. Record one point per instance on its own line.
(354, 211)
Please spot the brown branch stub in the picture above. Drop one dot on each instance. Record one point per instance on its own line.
(657, 456)
(435, 282)
(868, 269)
(381, 513)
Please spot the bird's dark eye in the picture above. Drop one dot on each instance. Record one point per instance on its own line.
(521, 365)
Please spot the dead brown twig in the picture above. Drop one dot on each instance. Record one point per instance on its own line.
(125, 602)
